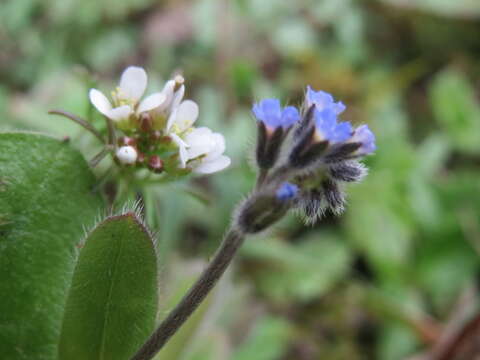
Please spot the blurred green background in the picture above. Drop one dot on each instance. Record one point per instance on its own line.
(384, 280)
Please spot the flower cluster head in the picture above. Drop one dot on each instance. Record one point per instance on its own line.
(157, 131)
(321, 155)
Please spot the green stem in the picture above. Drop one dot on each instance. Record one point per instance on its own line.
(85, 124)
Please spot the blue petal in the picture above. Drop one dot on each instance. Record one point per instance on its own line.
(287, 191)
(270, 112)
(323, 100)
(290, 116)
(328, 129)
(325, 122)
(342, 132)
(364, 135)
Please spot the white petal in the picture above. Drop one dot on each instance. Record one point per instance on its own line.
(171, 119)
(178, 140)
(200, 141)
(120, 113)
(133, 83)
(178, 96)
(182, 149)
(187, 114)
(100, 101)
(168, 92)
(127, 154)
(198, 135)
(151, 102)
(209, 167)
(218, 148)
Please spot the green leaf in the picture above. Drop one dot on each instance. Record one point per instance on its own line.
(299, 272)
(460, 8)
(455, 108)
(113, 298)
(267, 341)
(396, 342)
(46, 198)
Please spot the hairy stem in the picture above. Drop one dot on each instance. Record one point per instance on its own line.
(262, 176)
(197, 293)
(86, 125)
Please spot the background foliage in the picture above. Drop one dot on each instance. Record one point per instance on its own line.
(380, 282)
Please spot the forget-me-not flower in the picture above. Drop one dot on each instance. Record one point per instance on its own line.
(270, 112)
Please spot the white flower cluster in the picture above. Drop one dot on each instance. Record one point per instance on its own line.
(165, 113)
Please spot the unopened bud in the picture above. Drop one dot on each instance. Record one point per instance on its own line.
(286, 191)
(348, 171)
(179, 80)
(126, 140)
(141, 158)
(146, 122)
(127, 155)
(263, 209)
(155, 135)
(334, 196)
(155, 163)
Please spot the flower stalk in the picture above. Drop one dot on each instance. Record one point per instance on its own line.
(83, 123)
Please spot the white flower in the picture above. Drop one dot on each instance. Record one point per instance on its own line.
(127, 154)
(126, 98)
(206, 149)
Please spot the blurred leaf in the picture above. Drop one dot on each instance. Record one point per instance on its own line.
(432, 155)
(112, 302)
(458, 8)
(45, 199)
(243, 75)
(293, 37)
(107, 48)
(267, 341)
(396, 342)
(15, 14)
(302, 271)
(377, 226)
(455, 108)
(179, 345)
(431, 158)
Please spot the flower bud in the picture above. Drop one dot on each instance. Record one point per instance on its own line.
(313, 205)
(286, 191)
(127, 155)
(126, 140)
(348, 171)
(155, 163)
(264, 208)
(146, 122)
(334, 196)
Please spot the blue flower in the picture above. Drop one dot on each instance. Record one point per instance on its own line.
(327, 127)
(366, 137)
(287, 191)
(322, 101)
(270, 112)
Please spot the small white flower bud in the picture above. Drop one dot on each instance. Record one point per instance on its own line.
(127, 154)
(179, 79)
